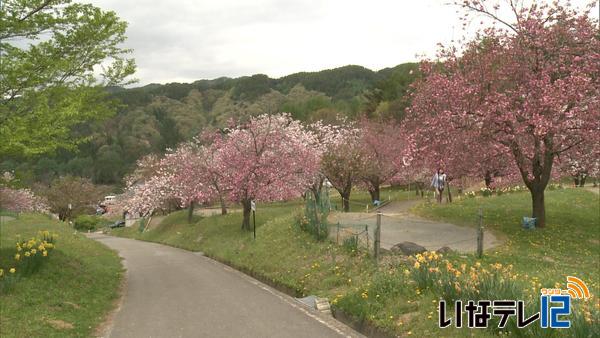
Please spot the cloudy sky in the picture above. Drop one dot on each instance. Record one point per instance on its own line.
(187, 40)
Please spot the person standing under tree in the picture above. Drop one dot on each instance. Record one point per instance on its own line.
(438, 183)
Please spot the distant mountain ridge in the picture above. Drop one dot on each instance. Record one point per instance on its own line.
(338, 83)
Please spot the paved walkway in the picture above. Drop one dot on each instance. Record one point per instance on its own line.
(176, 293)
(595, 190)
(6, 219)
(398, 225)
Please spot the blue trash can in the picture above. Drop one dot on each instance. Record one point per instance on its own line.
(529, 222)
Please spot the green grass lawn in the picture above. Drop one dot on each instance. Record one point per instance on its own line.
(568, 245)
(70, 294)
(384, 295)
(360, 199)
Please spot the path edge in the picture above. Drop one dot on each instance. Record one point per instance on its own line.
(361, 326)
(105, 327)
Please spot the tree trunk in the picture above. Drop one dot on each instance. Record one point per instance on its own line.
(247, 206)
(416, 188)
(316, 192)
(190, 216)
(488, 179)
(422, 188)
(582, 180)
(223, 205)
(374, 191)
(346, 200)
(576, 180)
(539, 209)
(449, 193)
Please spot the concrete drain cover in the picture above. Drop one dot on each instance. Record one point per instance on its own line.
(314, 302)
(308, 301)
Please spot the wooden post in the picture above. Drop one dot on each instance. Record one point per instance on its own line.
(480, 235)
(377, 236)
(367, 232)
(337, 238)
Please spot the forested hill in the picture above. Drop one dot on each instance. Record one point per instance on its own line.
(158, 116)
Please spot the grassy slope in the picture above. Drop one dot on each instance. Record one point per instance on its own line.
(569, 245)
(382, 295)
(78, 284)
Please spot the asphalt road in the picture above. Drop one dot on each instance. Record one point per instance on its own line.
(176, 293)
(398, 225)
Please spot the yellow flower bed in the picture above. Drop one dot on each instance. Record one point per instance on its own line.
(29, 256)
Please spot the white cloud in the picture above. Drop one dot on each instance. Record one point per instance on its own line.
(188, 40)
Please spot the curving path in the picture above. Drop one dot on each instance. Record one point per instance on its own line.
(176, 293)
(398, 225)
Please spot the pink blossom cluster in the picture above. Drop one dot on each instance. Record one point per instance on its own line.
(270, 157)
(515, 99)
(21, 200)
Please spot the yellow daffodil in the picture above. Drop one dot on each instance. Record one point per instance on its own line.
(12, 270)
(27, 254)
(17, 257)
(44, 253)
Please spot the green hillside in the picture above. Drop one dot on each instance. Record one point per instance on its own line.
(155, 117)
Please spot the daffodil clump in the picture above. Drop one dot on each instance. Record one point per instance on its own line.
(487, 192)
(29, 256)
(495, 281)
(459, 281)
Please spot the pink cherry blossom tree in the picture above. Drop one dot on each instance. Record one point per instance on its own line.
(209, 164)
(326, 136)
(529, 88)
(268, 158)
(188, 181)
(342, 161)
(180, 175)
(21, 200)
(147, 190)
(144, 197)
(582, 162)
(386, 149)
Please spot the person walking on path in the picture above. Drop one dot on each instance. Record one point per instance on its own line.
(438, 183)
